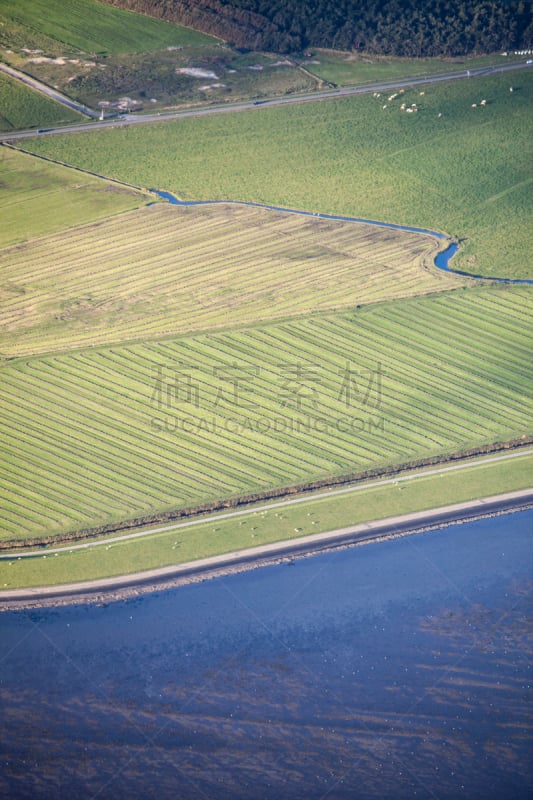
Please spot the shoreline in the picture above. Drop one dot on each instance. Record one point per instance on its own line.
(124, 587)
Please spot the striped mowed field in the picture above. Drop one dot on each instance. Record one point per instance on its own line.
(116, 432)
(166, 269)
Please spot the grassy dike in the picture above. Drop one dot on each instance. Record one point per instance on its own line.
(272, 522)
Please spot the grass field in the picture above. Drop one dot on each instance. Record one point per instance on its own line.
(263, 525)
(351, 69)
(167, 269)
(91, 26)
(39, 198)
(21, 107)
(114, 433)
(467, 172)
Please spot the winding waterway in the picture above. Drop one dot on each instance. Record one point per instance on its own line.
(442, 260)
(393, 670)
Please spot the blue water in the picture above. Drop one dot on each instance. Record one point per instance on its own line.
(395, 670)
(442, 260)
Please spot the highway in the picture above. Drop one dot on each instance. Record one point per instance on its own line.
(144, 119)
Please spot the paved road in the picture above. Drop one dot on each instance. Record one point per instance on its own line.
(47, 90)
(242, 559)
(141, 119)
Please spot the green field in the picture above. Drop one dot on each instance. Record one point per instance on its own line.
(39, 198)
(352, 69)
(108, 434)
(467, 172)
(154, 357)
(167, 269)
(264, 524)
(91, 26)
(22, 107)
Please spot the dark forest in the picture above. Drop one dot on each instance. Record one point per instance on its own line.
(409, 28)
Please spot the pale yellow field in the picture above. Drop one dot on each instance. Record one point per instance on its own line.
(165, 269)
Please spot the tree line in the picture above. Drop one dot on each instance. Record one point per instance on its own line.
(409, 28)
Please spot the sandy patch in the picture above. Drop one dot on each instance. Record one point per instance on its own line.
(60, 61)
(46, 60)
(195, 72)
